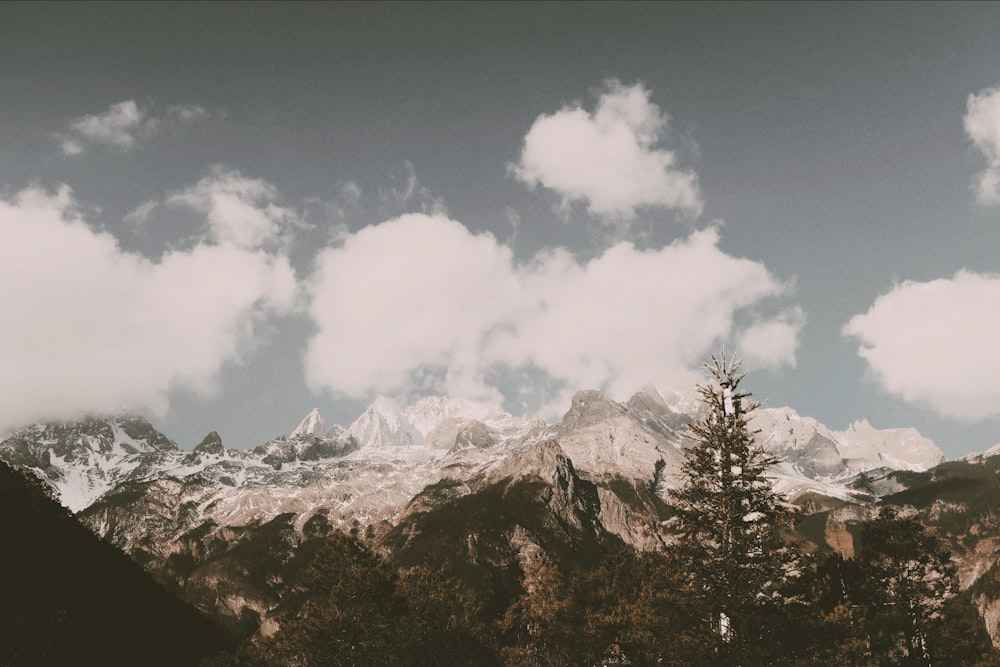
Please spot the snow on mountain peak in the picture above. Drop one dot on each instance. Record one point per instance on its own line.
(979, 457)
(384, 425)
(313, 424)
(817, 451)
(427, 413)
(901, 448)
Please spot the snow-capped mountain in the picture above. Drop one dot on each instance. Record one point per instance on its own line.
(378, 462)
(313, 425)
(817, 452)
(383, 425)
(132, 486)
(606, 438)
(897, 448)
(85, 459)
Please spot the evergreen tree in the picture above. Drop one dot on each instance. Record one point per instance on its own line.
(908, 580)
(730, 519)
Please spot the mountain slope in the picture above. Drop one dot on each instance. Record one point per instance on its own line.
(69, 598)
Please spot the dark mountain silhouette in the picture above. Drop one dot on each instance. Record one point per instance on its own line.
(68, 598)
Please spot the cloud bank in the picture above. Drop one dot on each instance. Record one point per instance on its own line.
(982, 124)
(608, 158)
(89, 328)
(420, 304)
(123, 125)
(935, 344)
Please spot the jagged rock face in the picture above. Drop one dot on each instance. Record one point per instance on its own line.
(648, 408)
(530, 505)
(312, 425)
(281, 451)
(77, 441)
(84, 459)
(212, 444)
(605, 438)
(626, 514)
(455, 434)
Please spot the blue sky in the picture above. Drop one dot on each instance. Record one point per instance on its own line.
(222, 216)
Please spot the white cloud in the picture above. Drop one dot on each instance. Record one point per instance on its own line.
(123, 125)
(609, 158)
(413, 292)
(117, 126)
(91, 328)
(772, 343)
(239, 210)
(982, 124)
(421, 304)
(935, 344)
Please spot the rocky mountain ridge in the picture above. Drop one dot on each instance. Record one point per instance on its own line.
(190, 517)
(87, 459)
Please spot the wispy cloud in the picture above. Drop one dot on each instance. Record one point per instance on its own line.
(404, 193)
(935, 344)
(123, 125)
(246, 212)
(138, 216)
(610, 158)
(982, 124)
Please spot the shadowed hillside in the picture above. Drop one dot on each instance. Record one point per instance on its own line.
(70, 599)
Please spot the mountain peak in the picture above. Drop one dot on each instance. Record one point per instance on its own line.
(211, 444)
(383, 425)
(590, 407)
(313, 424)
(900, 448)
(651, 392)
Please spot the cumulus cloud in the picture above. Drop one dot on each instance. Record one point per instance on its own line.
(92, 328)
(239, 210)
(421, 304)
(123, 125)
(608, 158)
(982, 124)
(935, 344)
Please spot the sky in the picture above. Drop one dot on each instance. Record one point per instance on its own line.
(221, 216)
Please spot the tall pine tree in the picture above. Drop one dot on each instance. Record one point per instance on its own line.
(730, 520)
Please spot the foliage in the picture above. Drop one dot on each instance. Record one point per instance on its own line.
(730, 520)
(359, 611)
(909, 578)
(896, 603)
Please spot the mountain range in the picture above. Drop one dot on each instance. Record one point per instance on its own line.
(226, 529)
